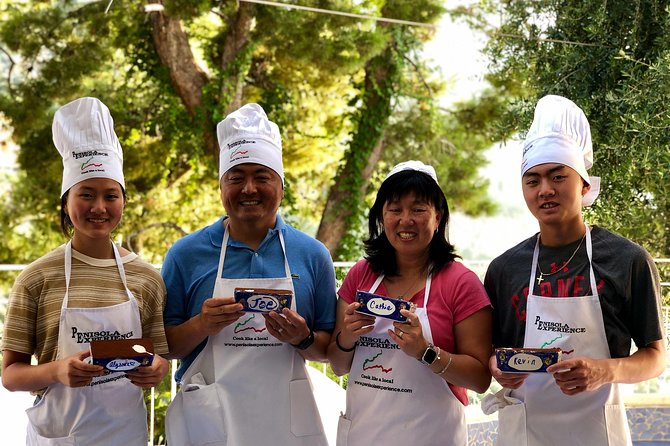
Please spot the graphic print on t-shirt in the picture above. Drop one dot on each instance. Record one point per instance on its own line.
(566, 283)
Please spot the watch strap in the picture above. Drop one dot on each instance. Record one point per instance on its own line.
(305, 343)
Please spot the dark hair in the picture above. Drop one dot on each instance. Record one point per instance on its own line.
(66, 225)
(378, 250)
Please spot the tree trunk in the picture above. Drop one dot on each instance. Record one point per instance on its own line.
(188, 79)
(239, 29)
(333, 226)
(367, 145)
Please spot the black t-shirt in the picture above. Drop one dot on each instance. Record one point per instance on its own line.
(626, 276)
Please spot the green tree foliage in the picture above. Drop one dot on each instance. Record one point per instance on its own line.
(169, 76)
(612, 58)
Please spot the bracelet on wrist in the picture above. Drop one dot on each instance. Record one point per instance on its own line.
(441, 372)
(344, 349)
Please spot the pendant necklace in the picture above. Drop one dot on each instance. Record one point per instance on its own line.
(414, 282)
(542, 275)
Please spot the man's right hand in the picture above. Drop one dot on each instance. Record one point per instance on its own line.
(218, 312)
(507, 380)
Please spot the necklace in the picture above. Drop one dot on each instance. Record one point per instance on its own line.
(543, 275)
(402, 296)
(414, 282)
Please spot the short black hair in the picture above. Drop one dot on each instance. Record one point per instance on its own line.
(379, 251)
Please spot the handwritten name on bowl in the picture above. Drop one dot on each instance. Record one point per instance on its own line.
(525, 361)
(122, 365)
(263, 302)
(380, 306)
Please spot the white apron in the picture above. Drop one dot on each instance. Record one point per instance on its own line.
(396, 400)
(543, 415)
(246, 388)
(111, 410)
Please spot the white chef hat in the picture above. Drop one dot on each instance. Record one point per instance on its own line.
(413, 165)
(248, 136)
(560, 133)
(83, 133)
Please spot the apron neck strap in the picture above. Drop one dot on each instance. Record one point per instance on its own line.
(224, 246)
(68, 271)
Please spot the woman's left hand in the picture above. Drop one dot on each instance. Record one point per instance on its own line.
(409, 335)
(149, 376)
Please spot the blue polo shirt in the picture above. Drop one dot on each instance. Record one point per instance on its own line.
(190, 267)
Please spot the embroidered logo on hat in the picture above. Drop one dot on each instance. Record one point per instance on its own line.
(239, 153)
(237, 143)
(88, 164)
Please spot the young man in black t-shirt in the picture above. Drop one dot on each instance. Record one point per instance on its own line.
(580, 288)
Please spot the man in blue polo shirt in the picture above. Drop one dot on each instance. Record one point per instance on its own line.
(241, 370)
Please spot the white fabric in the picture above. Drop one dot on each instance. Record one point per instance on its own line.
(226, 397)
(494, 402)
(83, 133)
(560, 133)
(111, 410)
(331, 400)
(413, 165)
(393, 394)
(544, 415)
(248, 136)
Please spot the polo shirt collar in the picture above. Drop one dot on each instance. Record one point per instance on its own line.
(216, 233)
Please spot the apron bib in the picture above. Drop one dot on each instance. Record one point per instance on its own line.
(391, 395)
(109, 411)
(544, 415)
(226, 398)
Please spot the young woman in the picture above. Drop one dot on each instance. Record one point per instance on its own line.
(407, 381)
(85, 290)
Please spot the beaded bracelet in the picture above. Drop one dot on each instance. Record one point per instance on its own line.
(337, 342)
(441, 372)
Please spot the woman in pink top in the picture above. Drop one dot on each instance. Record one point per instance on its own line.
(407, 381)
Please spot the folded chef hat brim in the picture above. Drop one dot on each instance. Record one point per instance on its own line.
(414, 165)
(556, 148)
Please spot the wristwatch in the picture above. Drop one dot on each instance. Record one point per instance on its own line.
(429, 356)
(305, 343)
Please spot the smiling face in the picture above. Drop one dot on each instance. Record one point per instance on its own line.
(251, 194)
(94, 207)
(409, 224)
(553, 194)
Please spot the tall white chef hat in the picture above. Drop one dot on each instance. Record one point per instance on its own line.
(83, 133)
(560, 133)
(248, 136)
(413, 165)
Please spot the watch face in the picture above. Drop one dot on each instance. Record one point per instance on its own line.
(429, 356)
